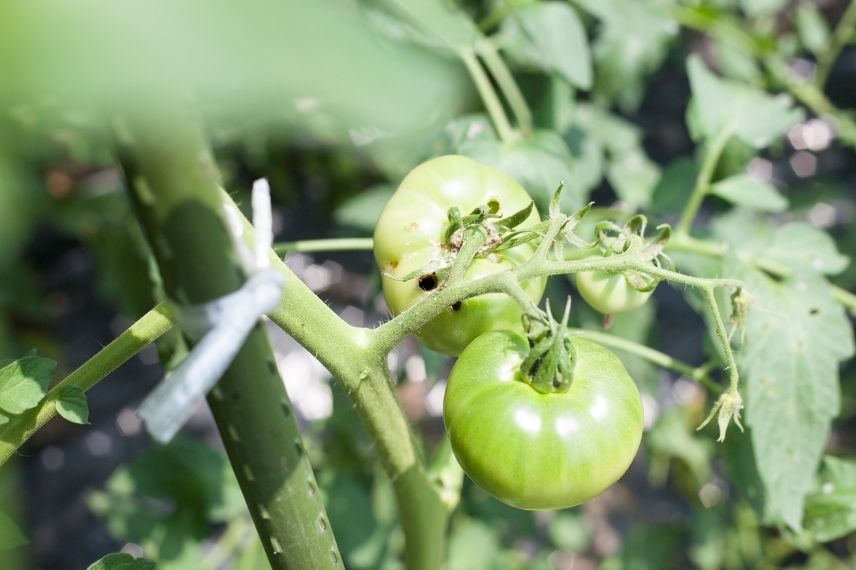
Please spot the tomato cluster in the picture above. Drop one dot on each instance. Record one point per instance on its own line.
(529, 448)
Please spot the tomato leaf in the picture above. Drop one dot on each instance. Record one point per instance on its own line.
(830, 512)
(796, 335)
(743, 190)
(122, 561)
(71, 404)
(797, 245)
(549, 36)
(632, 43)
(538, 163)
(756, 117)
(10, 535)
(24, 382)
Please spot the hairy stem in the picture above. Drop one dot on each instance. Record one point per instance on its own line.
(504, 78)
(360, 367)
(142, 333)
(169, 167)
(488, 95)
(702, 184)
(661, 359)
(722, 335)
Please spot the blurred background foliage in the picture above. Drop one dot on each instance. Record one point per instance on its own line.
(334, 101)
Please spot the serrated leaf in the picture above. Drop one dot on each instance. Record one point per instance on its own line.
(71, 404)
(24, 382)
(830, 512)
(795, 246)
(122, 561)
(796, 335)
(812, 27)
(754, 116)
(10, 535)
(549, 36)
(743, 190)
(538, 163)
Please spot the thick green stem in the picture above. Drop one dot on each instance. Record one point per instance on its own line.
(169, 167)
(504, 78)
(661, 359)
(360, 367)
(322, 245)
(138, 336)
(843, 34)
(702, 184)
(488, 95)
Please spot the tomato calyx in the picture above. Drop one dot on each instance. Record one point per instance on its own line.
(549, 365)
(478, 234)
(614, 239)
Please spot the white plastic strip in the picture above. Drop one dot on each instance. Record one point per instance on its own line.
(222, 325)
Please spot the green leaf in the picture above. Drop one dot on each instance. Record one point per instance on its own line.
(761, 7)
(10, 535)
(735, 63)
(743, 190)
(812, 27)
(675, 185)
(121, 561)
(796, 335)
(796, 245)
(538, 163)
(24, 382)
(587, 155)
(71, 404)
(441, 20)
(473, 545)
(830, 512)
(166, 499)
(633, 176)
(549, 36)
(361, 212)
(754, 116)
(633, 42)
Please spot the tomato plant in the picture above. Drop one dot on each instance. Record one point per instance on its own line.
(537, 450)
(408, 237)
(611, 294)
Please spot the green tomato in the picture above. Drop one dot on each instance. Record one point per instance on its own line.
(409, 232)
(534, 450)
(609, 293)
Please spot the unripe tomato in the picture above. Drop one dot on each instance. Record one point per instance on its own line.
(609, 293)
(537, 450)
(409, 233)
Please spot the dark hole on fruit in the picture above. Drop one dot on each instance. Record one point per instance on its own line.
(456, 306)
(556, 383)
(428, 282)
(813, 311)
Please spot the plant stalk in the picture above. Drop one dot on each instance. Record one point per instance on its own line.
(169, 167)
(142, 333)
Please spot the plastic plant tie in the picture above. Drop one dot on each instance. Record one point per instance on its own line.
(221, 326)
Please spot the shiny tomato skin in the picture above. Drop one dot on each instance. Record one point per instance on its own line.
(540, 451)
(609, 293)
(408, 235)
